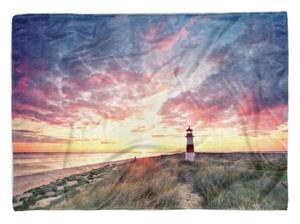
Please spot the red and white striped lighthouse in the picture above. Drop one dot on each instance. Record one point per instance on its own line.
(189, 153)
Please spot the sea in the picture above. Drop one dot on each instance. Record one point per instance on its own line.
(30, 163)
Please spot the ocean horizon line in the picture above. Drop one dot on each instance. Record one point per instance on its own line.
(177, 152)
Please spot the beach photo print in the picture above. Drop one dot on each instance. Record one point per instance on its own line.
(150, 111)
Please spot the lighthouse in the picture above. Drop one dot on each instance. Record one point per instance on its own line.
(189, 153)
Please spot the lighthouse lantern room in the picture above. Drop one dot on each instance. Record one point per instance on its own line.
(189, 153)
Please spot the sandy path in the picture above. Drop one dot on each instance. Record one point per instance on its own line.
(188, 199)
(27, 182)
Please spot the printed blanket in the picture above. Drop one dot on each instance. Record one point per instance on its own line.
(150, 111)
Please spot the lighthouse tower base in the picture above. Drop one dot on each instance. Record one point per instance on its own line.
(190, 156)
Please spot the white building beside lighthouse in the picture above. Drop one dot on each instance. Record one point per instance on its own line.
(189, 153)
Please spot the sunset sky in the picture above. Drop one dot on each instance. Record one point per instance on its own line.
(119, 83)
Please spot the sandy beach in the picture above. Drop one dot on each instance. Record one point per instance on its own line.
(27, 182)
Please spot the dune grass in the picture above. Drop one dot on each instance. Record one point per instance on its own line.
(155, 183)
(138, 185)
(247, 185)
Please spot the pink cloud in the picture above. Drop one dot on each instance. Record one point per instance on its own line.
(99, 80)
(114, 94)
(114, 83)
(139, 129)
(266, 119)
(107, 142)
(35, 114)
(166, 43)
(188, 108)
(216, 111)
(152, 34)
(109, 92)
(22, 84)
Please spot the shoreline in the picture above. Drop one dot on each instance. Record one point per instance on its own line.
(23, 183)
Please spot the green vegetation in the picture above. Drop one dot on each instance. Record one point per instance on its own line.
(142, 184)
(245, 185)
(213, 181)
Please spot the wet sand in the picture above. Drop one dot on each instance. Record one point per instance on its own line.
(27, 182)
